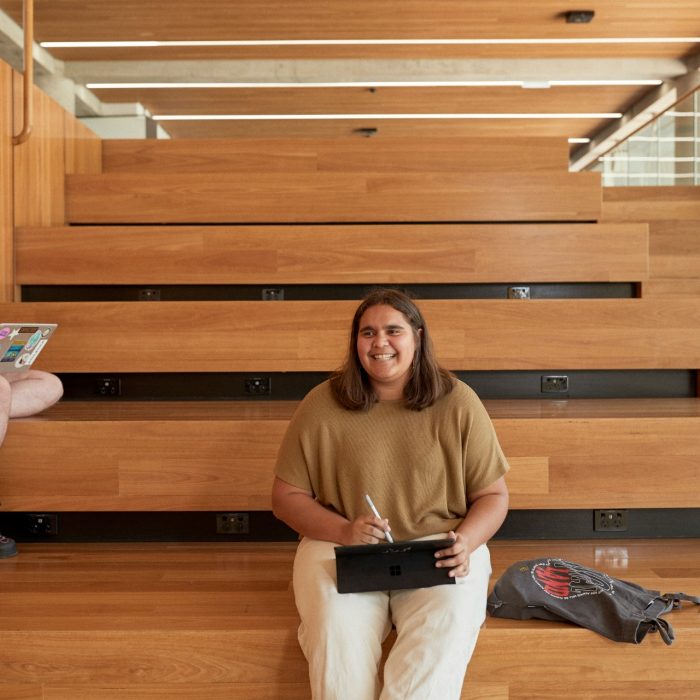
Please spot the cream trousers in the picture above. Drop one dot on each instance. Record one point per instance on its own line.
(341, 635)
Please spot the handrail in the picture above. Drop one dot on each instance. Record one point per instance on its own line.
(28, 82)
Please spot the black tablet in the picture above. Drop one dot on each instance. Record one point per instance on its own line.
(385, 567)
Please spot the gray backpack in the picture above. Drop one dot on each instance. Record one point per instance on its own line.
(555, 589)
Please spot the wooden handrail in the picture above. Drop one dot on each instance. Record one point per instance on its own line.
(28, 73)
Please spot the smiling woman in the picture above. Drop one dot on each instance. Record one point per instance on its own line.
(390, 356)
(393, 423)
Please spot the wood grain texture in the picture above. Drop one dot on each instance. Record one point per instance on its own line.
(431, 253)
(332, 197)
(674, 249)
(83, 148)
(673, 214)
(312, 335)
(194, 621)
(411, 128)
(39, 163)
(424, 100)
(680, 203)
(316, 19)
(220, 456)
(6, 177)
(671, 288)
(357, 154)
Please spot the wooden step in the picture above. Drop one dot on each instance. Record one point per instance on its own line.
(355, 154)
(331, 197)
(367, 254)
(122, 456)
(146, 621)
(251, 336)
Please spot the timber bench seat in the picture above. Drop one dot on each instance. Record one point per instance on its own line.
(215, 621)
(183, 456)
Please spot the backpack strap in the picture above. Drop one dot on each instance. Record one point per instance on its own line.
(677, 598)
(653, 622)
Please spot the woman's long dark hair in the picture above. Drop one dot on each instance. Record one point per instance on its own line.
(428, 382)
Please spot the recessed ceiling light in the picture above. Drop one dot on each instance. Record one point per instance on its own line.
(579, 16)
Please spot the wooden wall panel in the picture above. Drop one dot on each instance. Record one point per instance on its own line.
(332, 254)
(40, 163)
(651, 203)
(671, 288)
(83, 148)
(333, 197)
(356, 154)
(674, 249)
(674, 234)
(6, 187)
(312, 335)
(192, 456)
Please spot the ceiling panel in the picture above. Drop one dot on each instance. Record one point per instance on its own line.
(297, 20)
(342, 19)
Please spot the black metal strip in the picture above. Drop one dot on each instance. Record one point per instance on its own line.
(201, 526)
(324, 292)
(292, 386)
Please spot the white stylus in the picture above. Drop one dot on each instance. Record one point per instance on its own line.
(376, 513)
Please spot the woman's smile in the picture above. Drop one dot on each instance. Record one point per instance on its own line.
(386, 345)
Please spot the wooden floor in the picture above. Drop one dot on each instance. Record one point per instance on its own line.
(210, 621)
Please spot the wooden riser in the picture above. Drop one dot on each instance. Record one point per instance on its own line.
(91, 456)
(369, 254)
(355, 154)
(332, 197)
(257, 336)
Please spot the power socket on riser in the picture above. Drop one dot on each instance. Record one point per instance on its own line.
(610, 520)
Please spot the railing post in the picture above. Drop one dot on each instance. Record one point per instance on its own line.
(27, 112)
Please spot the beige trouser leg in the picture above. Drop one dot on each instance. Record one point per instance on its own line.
(341, 634)
(436, 630)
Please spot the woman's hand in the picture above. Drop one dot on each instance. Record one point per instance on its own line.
(456, 557)
(366, 529)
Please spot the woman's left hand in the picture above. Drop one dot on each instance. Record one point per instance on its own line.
(456, 557)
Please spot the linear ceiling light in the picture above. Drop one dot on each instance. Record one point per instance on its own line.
(370, 84)
(284, 117)
(368, 42)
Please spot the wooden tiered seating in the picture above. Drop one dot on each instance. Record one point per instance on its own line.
(322, 180)
(217, 621)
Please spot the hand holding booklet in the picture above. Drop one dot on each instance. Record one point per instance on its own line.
(21, 343)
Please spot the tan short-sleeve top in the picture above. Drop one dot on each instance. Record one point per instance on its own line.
(417, 466)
